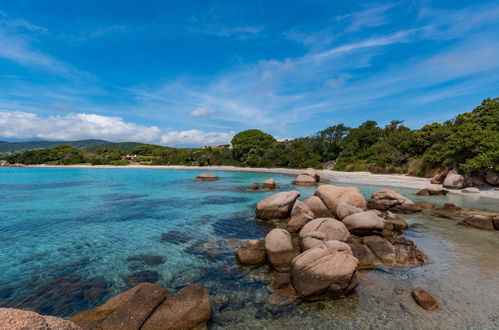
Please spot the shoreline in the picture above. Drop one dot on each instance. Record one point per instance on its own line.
(361, 178)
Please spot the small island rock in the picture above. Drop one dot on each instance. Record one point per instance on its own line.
(269, 184)
(304, 180)
(206, 177)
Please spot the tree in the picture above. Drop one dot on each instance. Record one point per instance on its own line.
(251, 145)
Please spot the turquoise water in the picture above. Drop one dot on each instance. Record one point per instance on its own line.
(71, 238)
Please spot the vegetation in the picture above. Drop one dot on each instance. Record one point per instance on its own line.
(469, 142)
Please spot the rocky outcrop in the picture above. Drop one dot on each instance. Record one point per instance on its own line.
(323, 270)
(17, 319)
(3, 162)
(206, 177)
(332, 196)
(424, 299)
(364, 223)
(269, 184)
(318, 207)
(251, 253)
(280, 249)
(304, 180)
(485, 222)
(344, 210)
(331, 228)
(300, 215)
(388, 199)
(376, 251)
(492, 177)
(189, 308)
(432, 191)
(277, 206)
(454, 180)
(127, 310)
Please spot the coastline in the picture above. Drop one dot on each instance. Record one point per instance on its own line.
(361, 178)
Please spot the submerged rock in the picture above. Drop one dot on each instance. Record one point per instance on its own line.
(251, 253)
(280, 249)
(206, 177)
(332, 196)
(150, 260)
(17, 319)
(277, 206)
(150, 276)
(424, 299)
(486, 222)
(318, 207)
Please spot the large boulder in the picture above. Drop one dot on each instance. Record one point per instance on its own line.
(251, 253)
(280, 248)
(396, 223)
(17, 319)
(318, 207)
(479, 221)
(388, 199)
(454, 180)
(206, 177)
(474, 180)
(332, 229)
(300, 215)
(269, 184)
(189, 308)
(323, 270)
(338, 246)
(344, 210)
(332, 196)
(438, 179)
(277, 206)
(312, 239)
(364, 223)
(304, 180)
(312, 173)
(492, 177)
(127, 310)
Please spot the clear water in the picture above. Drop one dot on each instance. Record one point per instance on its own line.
(70, 237)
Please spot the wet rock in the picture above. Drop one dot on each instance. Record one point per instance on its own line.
(304, 180)
(127, 310)
(444, 215)
(331, 228)
(344, 210)
(363, 223)
(174, 237)
(148, 259)
(277, 206)
(432, 191)
(17, 319)
(424, 299)
(280, 249)
(206, 177)
(492, 177)
(454, 180)
(281, 281)
(332, 196)
(150, 276)
(254, 186)
(189, 308)
(251, 253)
(451, 207)
(479, 221)
(269, 184)
(406, 208)
(425, 205)
(398, 223)
(318, 207)
(300, 215)
(471, 190)
(388, 199)
(321, 271)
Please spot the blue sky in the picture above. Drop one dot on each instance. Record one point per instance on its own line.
(192, 73)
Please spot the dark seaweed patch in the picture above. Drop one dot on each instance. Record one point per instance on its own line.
(221, 200)
(174, 237)
(240, 228)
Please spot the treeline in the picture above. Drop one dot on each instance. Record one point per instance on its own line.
(469, 142)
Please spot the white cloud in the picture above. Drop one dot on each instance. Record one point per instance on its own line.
(201, 111)
(76, 126)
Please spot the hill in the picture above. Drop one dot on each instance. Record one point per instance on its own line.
(31, 145)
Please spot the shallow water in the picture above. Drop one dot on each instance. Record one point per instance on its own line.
(70, 238)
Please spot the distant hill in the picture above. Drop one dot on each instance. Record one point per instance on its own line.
(120, 146)
(30, 145)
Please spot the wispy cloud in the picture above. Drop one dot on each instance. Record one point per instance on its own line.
(370, 16)
(202, 111)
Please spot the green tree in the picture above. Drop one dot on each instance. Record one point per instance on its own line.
(249, 146)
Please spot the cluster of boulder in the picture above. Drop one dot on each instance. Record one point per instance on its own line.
(455, 180)
(329, 237)
(206, 177)
(267, 185)
(309, 177)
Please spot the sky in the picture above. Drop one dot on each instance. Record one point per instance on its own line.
(194, 73)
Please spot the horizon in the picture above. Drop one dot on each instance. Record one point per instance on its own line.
(190, 75)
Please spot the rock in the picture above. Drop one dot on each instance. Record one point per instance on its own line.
(343, 210)
(424, 299)
(399, 224)
(321, 270)
(363, 223)
(312, 173)
(300, 215)
(132, 307)
(472, 180)
(433, 191)
(387, 199)
(471, 190)
(479, 221)
(492, 177)
(17, 319)
(332, 196)
(304, 180)
(312, 239)
(331, 228)
(206, 177)
(338, 246)
(454, 180)
(438, 179)
(251, 253)
(150, 260)
(406, 208)
(318, 207)
(495, 221)
(269, 184)
(3, 162)
(254, 186)
(150, 276)
(189, 308)
(280, 248)
(277, 206)
(425, 205)
(281, 281)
